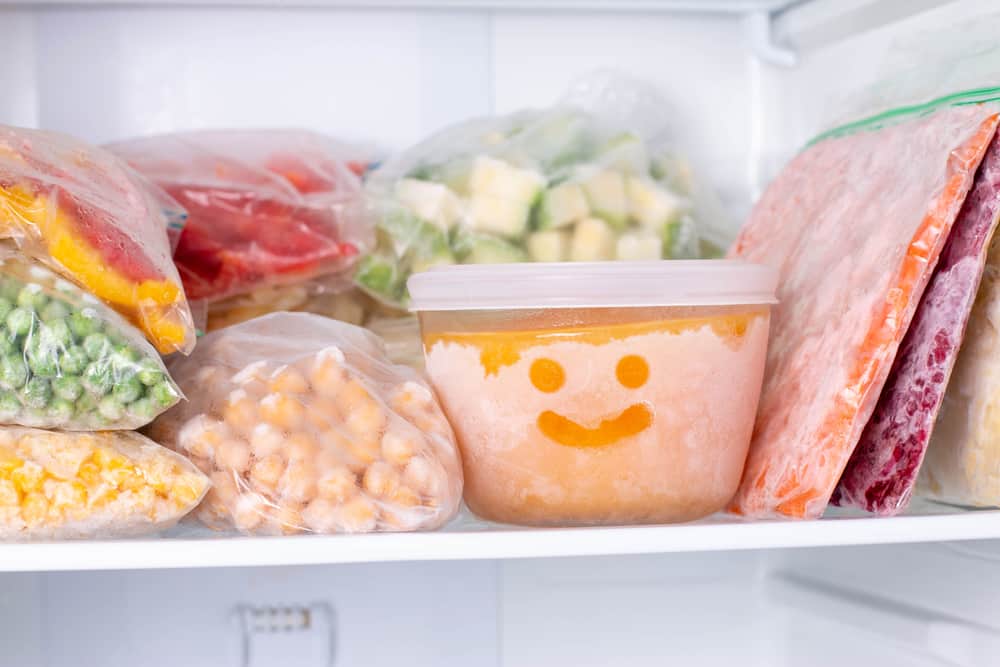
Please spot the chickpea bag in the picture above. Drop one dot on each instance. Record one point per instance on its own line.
(67, 361)
(57, 485)
(303, 425)
(87, 215)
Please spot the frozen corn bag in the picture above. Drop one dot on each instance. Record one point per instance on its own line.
(92, 219)
(854, 224)
(593, 178)
(304, 426)
(882, 472)
(68, 361)
(265, 207)
(56, 485)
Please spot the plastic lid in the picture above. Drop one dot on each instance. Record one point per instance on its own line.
(592, 285)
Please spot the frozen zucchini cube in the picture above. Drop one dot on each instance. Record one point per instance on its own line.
(562, 206)
(593, 241)
(502, 196)
(605, 190)
(432, 202)
(485, 249)
(625, 152)
(637, 246)
(551, 245)
(651, 205)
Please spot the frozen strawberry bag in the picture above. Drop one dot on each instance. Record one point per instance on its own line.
(265, 207)
(855, 224)
(91, 218)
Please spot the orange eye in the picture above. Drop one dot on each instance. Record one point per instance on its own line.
(547, 375)
(632, 371)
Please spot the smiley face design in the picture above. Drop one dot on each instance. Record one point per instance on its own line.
(632, 371)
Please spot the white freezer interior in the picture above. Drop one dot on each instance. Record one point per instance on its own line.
(745, 86)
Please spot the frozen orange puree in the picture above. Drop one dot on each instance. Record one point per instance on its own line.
(636, 422)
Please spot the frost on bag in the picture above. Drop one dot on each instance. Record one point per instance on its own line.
(855, 224)
(593, 178)
(56, 485)
(304, 426)
(265, 207)
(91, 218)
(68, 361)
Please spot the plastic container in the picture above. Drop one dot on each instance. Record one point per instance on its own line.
(598, 393)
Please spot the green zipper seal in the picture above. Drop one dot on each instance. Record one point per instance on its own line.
(880, 120)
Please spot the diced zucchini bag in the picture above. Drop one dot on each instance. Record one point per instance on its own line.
(67, 361)
(587, 180)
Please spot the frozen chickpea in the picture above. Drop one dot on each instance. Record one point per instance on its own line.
(201, 435)
(249, 512)
(362, 452)
(283, 410)
(286, 519)
(328, 457)
(240, 410)
(323, 413)
(224, 488)
(398, 446)
(411, 397)
(366, 421)
(403, 496)
(352, 396)
(337, 484)
(357, 515)
(298, 482)
(301, 446)
(288, 380)
(320, 516)
(266, 472)
(265, 440)
(256, 372)
(233, 455)
(381, 479)
(419, 475)
(327, 374)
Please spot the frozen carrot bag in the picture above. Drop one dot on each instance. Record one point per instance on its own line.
(303, 425)
(855, 224)
(94, 220)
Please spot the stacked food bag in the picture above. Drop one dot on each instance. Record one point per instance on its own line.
(593, 178)
(88, 294)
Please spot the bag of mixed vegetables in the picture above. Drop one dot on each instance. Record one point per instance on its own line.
(67, 361)
(91, 218)
(593, 178)
(265, 207)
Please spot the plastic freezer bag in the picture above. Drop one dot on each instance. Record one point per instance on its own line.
(854, 224)
(304, 426)
(90, 217)
(593, 178)
(882, 472)
(57, 485)
(68, 361)
(264, 207)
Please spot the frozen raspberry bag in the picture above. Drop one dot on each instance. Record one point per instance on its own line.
(595, 177)
(855, 224)
(91, 218)
(264, 207)
(67, 361)
(304, 426)
(56, 485)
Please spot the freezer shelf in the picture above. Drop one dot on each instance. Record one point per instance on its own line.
(470, 539)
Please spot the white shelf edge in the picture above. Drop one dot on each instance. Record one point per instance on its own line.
(704, 6)
(169, 553)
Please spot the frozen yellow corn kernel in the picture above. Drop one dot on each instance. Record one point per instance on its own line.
(34, 508)
(381, 479)
(89, 473)
(109, 459)
(8, 463)
(283, 410)
(134, 482)
(28, 478)
(266, 471)
(337, 484)
(288, 380)
(9, 495)
(186, 490)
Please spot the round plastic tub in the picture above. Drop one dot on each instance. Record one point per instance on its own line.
(598, 393)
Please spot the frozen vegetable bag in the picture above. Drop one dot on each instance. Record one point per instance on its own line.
(593, 178)
(854, 224)
(92, 219)
(68, 361)
(304, 426)
(265, 207)
(882, 472)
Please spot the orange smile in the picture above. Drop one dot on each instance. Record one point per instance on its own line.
(633, 420)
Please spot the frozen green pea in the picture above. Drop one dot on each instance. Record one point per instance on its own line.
(36, 392)
(43, 361)
(19, 321)
(94, 419)
(73, 360)
(54, 310)
(144, 409)
(31, 296)
(58, 332)
(60, 411)
(7, 345)
(9, 288)
(163, 394)
(13, 372)
(150, 373)
(97, 346)
(6, 305)
(84, 322)
(110, 409)
(10, 407)
(86, 403)
(128, 389)
(97, 378)
(67, 387)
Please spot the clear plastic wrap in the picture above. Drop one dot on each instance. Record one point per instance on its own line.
(92, 219)
(593, 178)
(56, 485)
(265, 207)
(304, 426)
(855, 224)
(68, 361)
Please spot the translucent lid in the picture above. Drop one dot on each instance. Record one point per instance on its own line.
(592, 285)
